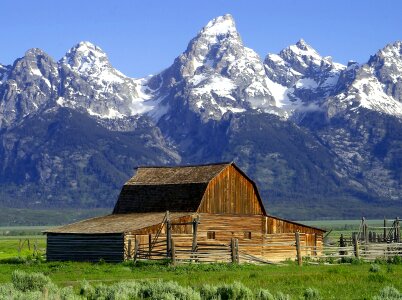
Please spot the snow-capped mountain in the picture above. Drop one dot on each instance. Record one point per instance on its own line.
(376, 85)
(310, 131)
(299, 78)
(89, 81)
(28, 85)
(216, 74)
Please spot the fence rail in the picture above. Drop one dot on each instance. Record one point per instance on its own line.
(363, 244)
(232, 252)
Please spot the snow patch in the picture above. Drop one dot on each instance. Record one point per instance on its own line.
(306, 83)
(220, 25)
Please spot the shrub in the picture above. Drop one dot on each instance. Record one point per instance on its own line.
(86, 289)
(154, 290)
(396, 260)
(209, 292)
(235, 290)
(388, 293)
(311, 294)
(23, 281)
(282, 296)
(375, 268)
(67, 293)
(264, 295)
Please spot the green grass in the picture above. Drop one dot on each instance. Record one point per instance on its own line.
(333, 282)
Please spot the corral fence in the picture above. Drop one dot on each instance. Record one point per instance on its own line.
(364, 244)
(208, 252)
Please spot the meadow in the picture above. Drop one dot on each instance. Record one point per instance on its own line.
(352, 280)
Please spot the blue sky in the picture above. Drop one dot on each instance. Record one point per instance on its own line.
(144, 37)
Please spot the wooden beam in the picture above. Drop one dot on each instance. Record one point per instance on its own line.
(173, 253)
(356, 246)
(298, 249)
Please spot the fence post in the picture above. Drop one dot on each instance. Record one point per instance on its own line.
(149, 245)
(356, 246)
(315, 252)
(398, 230)
(385, 230)
(232, 249)
(35, 247)
(173, 252)
(298, 250)
(237, 251)
(168, 235)
(342, 244)
(136, 246)
(129, 247)
(194, 244)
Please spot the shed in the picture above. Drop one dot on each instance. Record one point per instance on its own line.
(193, 205)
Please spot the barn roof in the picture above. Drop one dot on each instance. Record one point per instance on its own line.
(176, 174)
(115, 223)
(158, 189)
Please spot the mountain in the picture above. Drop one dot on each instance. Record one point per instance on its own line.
(322, 140)
(300, 78)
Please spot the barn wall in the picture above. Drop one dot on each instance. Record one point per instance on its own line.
(230, 193)
(255, 234)
(277, 225)
(227, 227)
(85, 247)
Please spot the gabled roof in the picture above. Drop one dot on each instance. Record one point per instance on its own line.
(115, 223)
(158, 189)
(176, 174)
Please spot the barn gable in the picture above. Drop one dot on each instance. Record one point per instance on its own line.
(214, 188)
(158, 189)
(232, 192)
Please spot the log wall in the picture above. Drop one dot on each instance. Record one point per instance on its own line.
(278, 225)
(260, 236)
(85, 247)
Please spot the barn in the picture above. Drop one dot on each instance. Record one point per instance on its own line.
(199, 213)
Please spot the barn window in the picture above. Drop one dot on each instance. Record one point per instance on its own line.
(210, 235)
(247, 235)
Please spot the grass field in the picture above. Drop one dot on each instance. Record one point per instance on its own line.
(337, 281)
(332, 281)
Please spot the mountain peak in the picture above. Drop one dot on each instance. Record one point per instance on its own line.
(87, 49)
(302, 44)
(221, 25)
(301, 48)
(33, 52)
(391, 50)
(84, 56)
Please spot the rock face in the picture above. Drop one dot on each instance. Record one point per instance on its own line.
(320, 139)
(27, 86)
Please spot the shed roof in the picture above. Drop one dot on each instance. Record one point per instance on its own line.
(158, 189)
(115, 223)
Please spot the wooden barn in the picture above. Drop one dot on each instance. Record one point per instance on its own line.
(190, 213)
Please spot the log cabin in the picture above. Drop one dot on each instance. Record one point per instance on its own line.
(200, 212)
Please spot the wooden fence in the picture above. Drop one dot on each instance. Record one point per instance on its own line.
(183, 251)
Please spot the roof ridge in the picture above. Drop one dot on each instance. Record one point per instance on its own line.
(186, 166)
